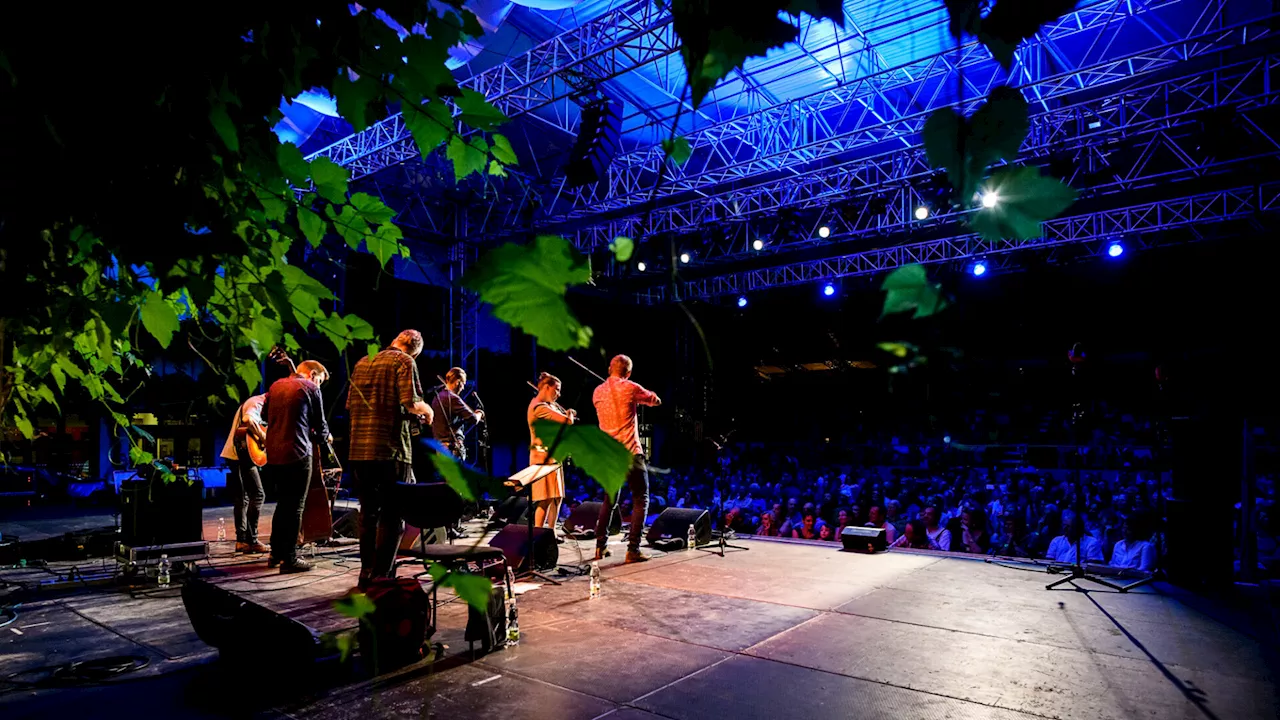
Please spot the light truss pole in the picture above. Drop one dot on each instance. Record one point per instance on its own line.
(1200, 210)
(616, 42)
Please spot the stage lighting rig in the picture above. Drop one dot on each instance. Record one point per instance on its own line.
(922, 212)
(757, 244)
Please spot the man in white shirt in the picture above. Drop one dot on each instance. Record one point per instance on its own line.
(939, 536)
(877, 520)
(243, 481)
(1134, 552)
(1063, 547)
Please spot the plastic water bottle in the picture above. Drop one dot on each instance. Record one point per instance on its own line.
(513, 615)
(222, 529)
(595, 580)
(162, 573)
(692, 539)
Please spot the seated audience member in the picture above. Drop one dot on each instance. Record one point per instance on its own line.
(877, 520)
(808, 528)
(1063, 547)
(939, 537)
(1010, 542)
(1135, 552)
(767, 528)
(824, 533)
(914, 536)
(973, 536)
(893, 516)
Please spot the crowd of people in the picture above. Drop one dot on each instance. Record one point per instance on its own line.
(1017, 513)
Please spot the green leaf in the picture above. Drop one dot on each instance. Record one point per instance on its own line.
(225, 128)
(356, 605)
(335, 328)
(526, 284)
(45, 393)
(942, 135)
(295, 168)
(467, 157)
(424, 74)
(430, 125)
(384, 243)
(606, 460)
(372, 209)
(908, 288)
(305, 294)
(100, 334)
(373, 349)
(249, 374)
(313, 225)
(138, 456)
(497, 169)
(23, 423)
(264, 333)
(349, 224)
(159, 318)
(468, 482)
(502, 150)
(274, 205)
(59, 378)
(354, 98)
(477, 112)
(475, 590)
(897, 349)
(1025, 199)
(997, 129)
(677, 149)
(622, 248)
(330, 179)
(345, 643)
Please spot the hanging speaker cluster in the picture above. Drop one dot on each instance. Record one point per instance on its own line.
(597, 143)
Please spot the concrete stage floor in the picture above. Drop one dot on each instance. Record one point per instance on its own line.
(782, 630)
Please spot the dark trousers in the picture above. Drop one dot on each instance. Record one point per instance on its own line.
(380, 523)
(245, 486)
(292, 481)
(638, 484)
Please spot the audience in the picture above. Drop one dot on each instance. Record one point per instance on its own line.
(1063, 547)
(1133, 552)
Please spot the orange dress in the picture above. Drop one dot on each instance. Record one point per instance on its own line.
(552, 486)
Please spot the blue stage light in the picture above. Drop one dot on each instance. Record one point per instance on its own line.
(946, 439)
(979, 268)
(828, 289)
(1115, 250)
(742, 301)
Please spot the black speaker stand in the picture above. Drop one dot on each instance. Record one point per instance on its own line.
(722, 546)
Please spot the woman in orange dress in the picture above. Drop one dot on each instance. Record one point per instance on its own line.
(547, 493)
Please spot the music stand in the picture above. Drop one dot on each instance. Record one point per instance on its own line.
(522, 481)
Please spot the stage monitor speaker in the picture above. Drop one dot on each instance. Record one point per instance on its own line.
(153, 512)
(582, 519)
(513, 540)
(673, 524)
(863, 539)
(246, 633)
(512, 510)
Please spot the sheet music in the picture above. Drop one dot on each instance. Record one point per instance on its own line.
(532, 474)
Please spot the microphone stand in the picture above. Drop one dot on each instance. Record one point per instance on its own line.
(482, 438)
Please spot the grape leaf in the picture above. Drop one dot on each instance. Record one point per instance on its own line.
(465, 480)
(429, 124)
(467, 157)
(224, 126)
(384, 243)
(908, 288)
(677, 149)
(1025, 199)
(997, 129)
(330, 179)
(497, 169)
(372, 208)
(249, 374)
(354, 98)
(159, 318)
(356, 605)
(606, 460)
(502, 150)
(526, 284)
(349, 224)
(295, 168)
(474, 590)
(622, 248)
(477, 112)
(313, 225)
(941, 135)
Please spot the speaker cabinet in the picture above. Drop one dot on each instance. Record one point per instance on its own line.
(153, 512)
(514, 542)
(246, 632)
(673, 524)
(582, 520)
(863, 539)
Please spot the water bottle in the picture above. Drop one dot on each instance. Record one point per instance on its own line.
(692, 539)
(222, 529)
(513, 616)
(162, 573)
(595, 580)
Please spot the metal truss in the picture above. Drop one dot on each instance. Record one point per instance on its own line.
(884, 106)
(1185, 212)
(882, 191)
(616, 42)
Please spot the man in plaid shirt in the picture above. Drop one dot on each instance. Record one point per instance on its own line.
(385, 398)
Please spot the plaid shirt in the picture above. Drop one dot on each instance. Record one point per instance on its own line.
(380, 387)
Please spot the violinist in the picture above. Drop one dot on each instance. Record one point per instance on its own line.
(547, 493)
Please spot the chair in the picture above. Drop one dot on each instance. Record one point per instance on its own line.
(433, 505)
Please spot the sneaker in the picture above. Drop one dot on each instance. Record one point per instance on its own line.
(602, 553)
(295, 565)
(635, 556)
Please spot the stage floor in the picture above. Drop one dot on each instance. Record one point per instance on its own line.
(781, 630)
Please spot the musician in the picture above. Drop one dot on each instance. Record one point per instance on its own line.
(243, 480)
(384, 403)
(547, 493)
(453, 417)
(294, 411)
(616, 401)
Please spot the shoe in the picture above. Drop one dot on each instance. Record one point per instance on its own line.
(366, 580)
(602, 553)
(635, 556)
(273, 562)
(253, 547)
(296, 565)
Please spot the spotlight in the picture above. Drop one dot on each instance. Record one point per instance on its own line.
(828, 289)
(757, 245)
(641, 266)
(946, 439)
(1115, 250)
(979, 268)
(989, 199)
(922, 212)
(824, 232)
(742, 301)
(684, 258)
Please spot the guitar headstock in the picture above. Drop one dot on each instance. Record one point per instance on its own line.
(281, 357)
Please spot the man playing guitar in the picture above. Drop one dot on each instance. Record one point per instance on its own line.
(244, 453)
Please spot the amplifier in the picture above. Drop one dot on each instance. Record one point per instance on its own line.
(131, 556)
(863, 539)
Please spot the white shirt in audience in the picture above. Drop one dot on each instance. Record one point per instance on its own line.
(939, 539)
(1064, 551)
(1140, 555)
